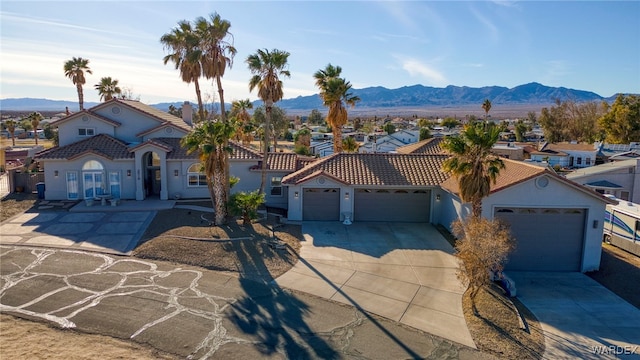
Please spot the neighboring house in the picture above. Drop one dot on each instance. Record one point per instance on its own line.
(508, 150)
(128, 150)
(427, 146)
(566, 155)
(385, 144)
(618, 152)
(620, 179)
(321, 148)
(406, 136)
(557, 223)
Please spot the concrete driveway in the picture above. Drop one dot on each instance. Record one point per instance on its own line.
(108, 232)
(401, 271)
(580, 318)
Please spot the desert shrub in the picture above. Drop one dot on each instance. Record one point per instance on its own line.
(246, 204)
(482, 249)
(302, 150)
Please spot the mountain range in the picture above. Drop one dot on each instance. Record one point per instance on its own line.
(379, 97)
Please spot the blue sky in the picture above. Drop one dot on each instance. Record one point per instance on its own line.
(586, 45)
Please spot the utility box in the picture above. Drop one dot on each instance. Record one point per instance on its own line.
(40, 187)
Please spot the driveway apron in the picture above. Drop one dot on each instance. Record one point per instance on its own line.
(580, 318)
(402, 271)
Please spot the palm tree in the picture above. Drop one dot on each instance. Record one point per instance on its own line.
(217, 52)
(267, 67)
(486, 106)
(182, 43)
(11, 128)
(335, 93)
(35, 118)
(210, 140)
(74, 69)
(350, 144)
(108, 88)
(472, 163)
(239, 110)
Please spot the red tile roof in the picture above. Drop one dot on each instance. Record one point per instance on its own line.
(428, 146)
(514, 173)
(102, 145)
(376, 169)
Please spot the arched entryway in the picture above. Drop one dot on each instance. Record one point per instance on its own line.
(152, 174)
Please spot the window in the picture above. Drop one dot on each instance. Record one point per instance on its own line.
(72, 185)
(276, 186)
(196, 176)
(579, 161)
(587, 161)
(86, 131)
(624, 195)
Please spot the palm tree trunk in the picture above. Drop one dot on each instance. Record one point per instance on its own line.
(80, 96)
(219, 191)
(200, 105)
(337, 139)
(223, 114)
(476, 209)
(13, 138)
(267, 126)
(225, 155)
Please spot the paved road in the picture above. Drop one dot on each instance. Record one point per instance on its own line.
(198, 313)
(404, 272)
(580, 318)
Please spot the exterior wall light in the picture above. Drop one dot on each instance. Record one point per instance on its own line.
(346, 195)
(176, 172)
(55, 173)
(129, 173)
(296, 194)
(437, 197)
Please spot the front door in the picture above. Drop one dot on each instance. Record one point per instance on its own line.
(153, 181)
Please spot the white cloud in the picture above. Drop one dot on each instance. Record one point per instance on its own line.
(491, 27)
(417, 68)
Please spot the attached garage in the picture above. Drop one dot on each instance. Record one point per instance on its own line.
(321, 204)
(397, 205)
(547, 239)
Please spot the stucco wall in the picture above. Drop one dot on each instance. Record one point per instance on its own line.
(133, 122)
(56, 187)
(68, 130)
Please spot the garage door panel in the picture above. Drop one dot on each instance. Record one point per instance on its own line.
(392, 205)
(321, 204)
(546, 239)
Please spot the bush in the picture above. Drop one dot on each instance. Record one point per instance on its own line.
(246, 205)
(302, 150)
(482, 249)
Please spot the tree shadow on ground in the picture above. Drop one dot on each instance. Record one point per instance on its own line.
(273, 316)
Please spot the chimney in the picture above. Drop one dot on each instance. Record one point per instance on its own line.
(187, 113)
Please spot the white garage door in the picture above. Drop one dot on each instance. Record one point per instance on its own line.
(321, 204)
(546, 239)
(397, 205)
